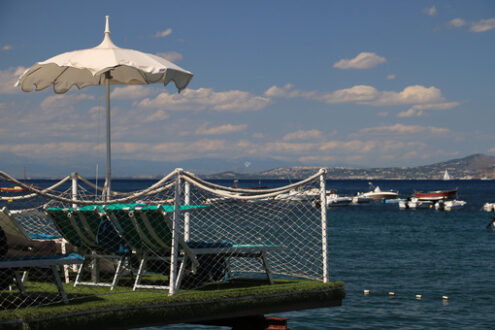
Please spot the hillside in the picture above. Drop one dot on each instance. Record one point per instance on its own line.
(475, 166)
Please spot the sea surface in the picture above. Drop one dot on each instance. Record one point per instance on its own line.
(409, 252)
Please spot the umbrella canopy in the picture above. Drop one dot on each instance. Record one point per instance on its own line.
(105, 64)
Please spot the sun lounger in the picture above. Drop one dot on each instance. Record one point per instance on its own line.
(13, 222)
(147, 229)
(51, 262)
(82, 227)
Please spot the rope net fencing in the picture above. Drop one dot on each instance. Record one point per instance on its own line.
(62, 242)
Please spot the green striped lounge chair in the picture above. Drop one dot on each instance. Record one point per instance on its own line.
(9, 224)
(147, 229)
(84, 228)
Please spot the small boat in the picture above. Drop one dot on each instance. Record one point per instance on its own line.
(449, 205)
(415, 203)
(360, 199)
(489, 207)
(378, 194)
(13, 189)
(336, 200)
(436, 195)
(446, 175)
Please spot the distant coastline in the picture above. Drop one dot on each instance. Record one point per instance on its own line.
(474, 167)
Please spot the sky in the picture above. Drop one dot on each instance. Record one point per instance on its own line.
(303, 83)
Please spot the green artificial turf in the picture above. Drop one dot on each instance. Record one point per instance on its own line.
(99, 308)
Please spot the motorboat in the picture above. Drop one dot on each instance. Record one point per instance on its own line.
(336, 200)
(415, 203)
(436, 195)
(378, 194)
(489, 207)
(360, 199)
(449, 205)
(13, 189)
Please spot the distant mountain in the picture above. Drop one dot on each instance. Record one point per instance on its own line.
(471, 167)
(474, 166)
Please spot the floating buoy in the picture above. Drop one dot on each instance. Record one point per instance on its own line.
(10, 201)
(445, 298)
(366, 291)
(391, 293)
(418, 296)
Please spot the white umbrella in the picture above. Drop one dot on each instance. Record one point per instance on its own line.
(104, 64)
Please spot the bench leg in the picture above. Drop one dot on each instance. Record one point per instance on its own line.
(118, 270)
(20, 284)
(142, 264)
(267, 267)
(59, 284)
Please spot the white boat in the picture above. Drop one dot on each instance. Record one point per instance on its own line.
(300, 195)
(449, 205)
(378, 194)
(414, 203)
(336, 200)
(446, 175)
(489, 207)
(360, 199)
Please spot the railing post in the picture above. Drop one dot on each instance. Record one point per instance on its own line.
(174, 253)
(74, 187)
(187, 200)
(324, 228)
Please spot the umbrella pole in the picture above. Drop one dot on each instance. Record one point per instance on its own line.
(107, 187)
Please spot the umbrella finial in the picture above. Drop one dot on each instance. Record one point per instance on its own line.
(107, 43)
(107, 25)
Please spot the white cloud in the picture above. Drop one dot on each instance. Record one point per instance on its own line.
(483, 25)
(364, 60)
(164, 33)
(171, 56)
(8, 78)
(349, 146)
(364, 94)
(419, 109)
(416, 94)
(457, 22)
(432, 11)
(207, 98)
(303, 135)
(131, 92)
(157, 116)
(355, 94)
(221, 129)
(405, 129)
(7, 47)
(391, 76)
(64, 100)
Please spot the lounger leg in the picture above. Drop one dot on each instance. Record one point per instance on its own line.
(95, 269)
(117, 273)
(20, 284)
(78, 276)
(181, 273)
(267, 267)
(227, 267)
(25, 276)
(66, 267)
(140, 272)
(59, 284)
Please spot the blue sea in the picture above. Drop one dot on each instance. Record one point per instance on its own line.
(409, 252)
